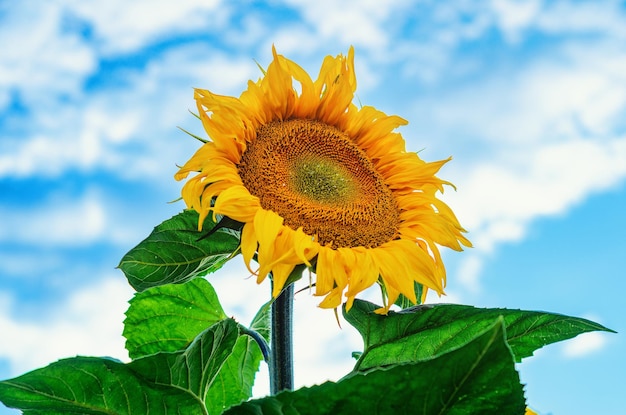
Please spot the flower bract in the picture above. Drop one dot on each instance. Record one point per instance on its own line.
(319, 181)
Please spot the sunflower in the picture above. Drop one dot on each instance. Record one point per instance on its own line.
(318, 181)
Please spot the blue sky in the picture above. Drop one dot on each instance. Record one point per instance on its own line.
(528, 97)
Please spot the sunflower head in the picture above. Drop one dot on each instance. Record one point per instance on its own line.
(313, 176)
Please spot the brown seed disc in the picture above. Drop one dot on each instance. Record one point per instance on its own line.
(316, 178)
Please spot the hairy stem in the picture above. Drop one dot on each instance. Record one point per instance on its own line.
(281, 359)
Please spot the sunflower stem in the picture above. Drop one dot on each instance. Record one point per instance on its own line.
(281, 359)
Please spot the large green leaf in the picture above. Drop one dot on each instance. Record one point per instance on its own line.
(175, 252)
(195, 368)
(477, 378)
(234, 382)
(163, 383)
(423, 332)
(169, 317)
(91, 385)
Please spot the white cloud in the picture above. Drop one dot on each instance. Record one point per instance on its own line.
(48, 62)
(564, 17)
(322, 348)
(39, 60)
(292, 39)
(571, 92)
(469, 272)
(514, 16)
(122, 27)
(156, 101)
(142, 112)
(57, 222)
(498, 201)
(530, 142)
(584, 345)
(49, 154)
(27, 263)
(62, 220)
(88, 322)
(587, 95)
(367, 24)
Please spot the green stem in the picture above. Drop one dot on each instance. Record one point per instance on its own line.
(281, 359)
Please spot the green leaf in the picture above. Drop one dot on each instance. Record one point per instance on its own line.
(174, 252)
(261, 321)
(169, 317)
(194, 369)
(478, 377)
(234, 382)
(423, 332)
(162, 383)
(91, 385)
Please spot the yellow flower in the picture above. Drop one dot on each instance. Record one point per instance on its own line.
(313, 177)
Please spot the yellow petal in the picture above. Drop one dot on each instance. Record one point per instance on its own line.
(267, 225)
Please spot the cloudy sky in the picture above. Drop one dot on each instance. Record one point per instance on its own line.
(529, 98)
